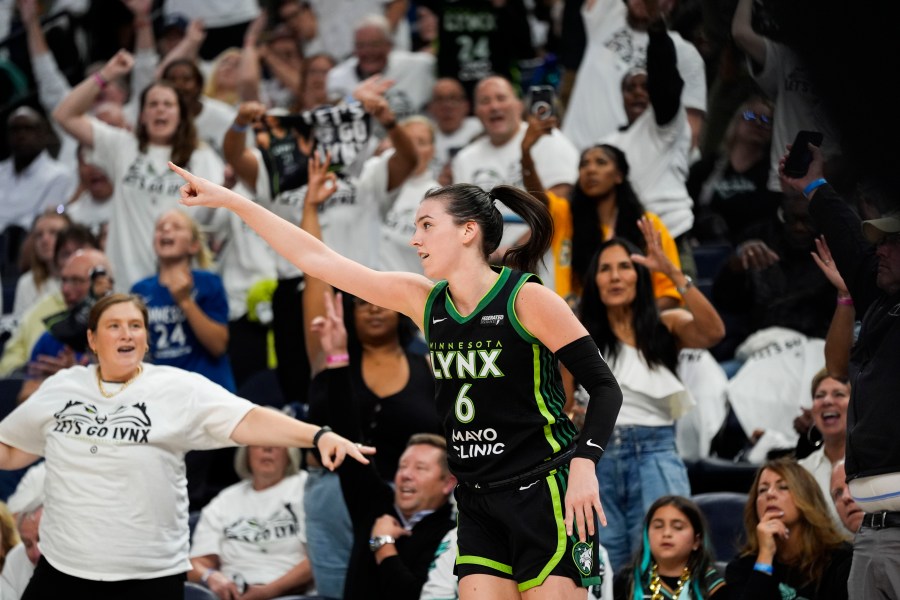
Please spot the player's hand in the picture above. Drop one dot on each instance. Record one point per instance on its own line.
(583, 499)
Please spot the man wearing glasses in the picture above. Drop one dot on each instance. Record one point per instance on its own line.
(867, 255)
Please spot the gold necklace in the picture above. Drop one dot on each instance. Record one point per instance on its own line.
(106, 394)
(656, 584)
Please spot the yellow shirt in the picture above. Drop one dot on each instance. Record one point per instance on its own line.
(564, 280)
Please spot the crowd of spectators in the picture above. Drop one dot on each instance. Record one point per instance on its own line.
(676, 237)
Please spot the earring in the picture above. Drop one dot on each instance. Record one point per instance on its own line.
(817, 442)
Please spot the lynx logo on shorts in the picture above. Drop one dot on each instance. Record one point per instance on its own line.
(583, 555)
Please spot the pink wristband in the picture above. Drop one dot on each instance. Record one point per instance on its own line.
(848, 301)
(98, 78)
(333, 359)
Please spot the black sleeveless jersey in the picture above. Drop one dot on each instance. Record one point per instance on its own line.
(498, 389)
(477, 38)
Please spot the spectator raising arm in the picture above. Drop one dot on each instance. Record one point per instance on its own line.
(72, 112)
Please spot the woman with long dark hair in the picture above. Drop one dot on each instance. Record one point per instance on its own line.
(641, 344)
(675, 559)
(602, 205)
(144, 188)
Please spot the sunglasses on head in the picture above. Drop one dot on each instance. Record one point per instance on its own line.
(763, 120)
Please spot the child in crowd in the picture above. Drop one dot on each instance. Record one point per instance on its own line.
(674, 560)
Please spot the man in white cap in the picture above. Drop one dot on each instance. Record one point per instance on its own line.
(867, 255)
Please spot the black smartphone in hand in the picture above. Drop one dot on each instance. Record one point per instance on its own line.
(798, 159)
(542, 101)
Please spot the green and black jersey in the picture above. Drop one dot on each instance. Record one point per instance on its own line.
(498, 389)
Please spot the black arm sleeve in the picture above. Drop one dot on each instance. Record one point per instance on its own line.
(664, 83)
(582, 359)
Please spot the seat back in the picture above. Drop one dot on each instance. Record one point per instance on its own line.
(195, 591)
(9, 392)
(724, 512)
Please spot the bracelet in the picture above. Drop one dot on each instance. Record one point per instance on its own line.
(688, 284)
(239, 128)
(205, 578)
(99, 80)
(845, 301)
(813, 185)
(764, 568)
(325, 429)
(390, 124)
(333, 359)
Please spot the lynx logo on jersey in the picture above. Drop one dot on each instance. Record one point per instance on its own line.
(474, 364)
(492, 320)
(583, 555)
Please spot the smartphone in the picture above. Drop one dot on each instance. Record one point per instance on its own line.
(797, 162)
(542, 101)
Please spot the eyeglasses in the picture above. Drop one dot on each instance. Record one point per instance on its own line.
(761, 120)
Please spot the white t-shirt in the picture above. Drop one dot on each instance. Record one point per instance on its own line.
(337, 19)
(652, 397)
(213, 122)
(660, 159)
(445, 142)
(115, 493)
(350, 219)
(398, 226)
(29, 492)
(259, 535)
(145, 188)
(486, 165)
(244, 260)
(596, 107)
(89, 212)
(412, 73)
(214, 13)
(28, 294)
(17, 572)
(43, 184)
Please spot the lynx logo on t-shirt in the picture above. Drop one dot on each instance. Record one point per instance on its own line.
(127, 423)
(281, 524)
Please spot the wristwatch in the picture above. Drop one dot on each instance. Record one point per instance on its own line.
(688, 284)
(378, 541)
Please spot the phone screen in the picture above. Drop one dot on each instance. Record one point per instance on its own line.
(542, 101)
(797, 162)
